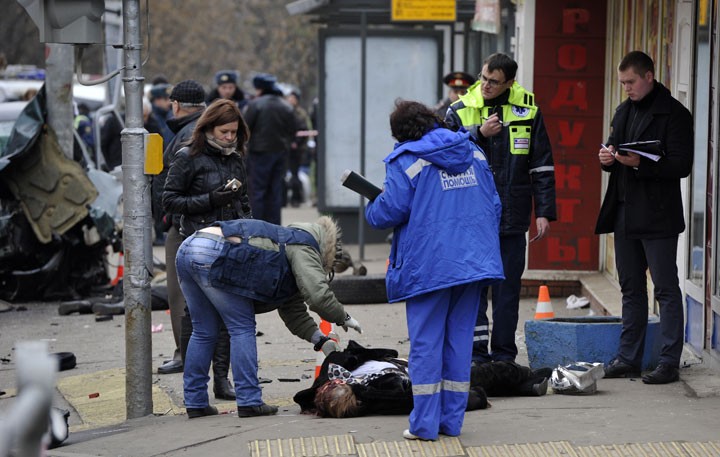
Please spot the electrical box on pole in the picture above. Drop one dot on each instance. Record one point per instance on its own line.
(153, 153)
(67, 21)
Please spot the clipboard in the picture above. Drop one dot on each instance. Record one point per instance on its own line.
(359, 184)
(650, 149)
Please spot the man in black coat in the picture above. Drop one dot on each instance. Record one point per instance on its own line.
(187, 104)
(643, 207)
(272, 130)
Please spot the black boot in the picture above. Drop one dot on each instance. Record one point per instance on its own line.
(109, 309)
(186, 329)
(222, 388)
(194, 413)
(77, 306)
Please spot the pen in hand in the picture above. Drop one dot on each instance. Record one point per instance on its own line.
(502, 123)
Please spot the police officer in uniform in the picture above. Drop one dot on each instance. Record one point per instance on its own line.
(458, 82)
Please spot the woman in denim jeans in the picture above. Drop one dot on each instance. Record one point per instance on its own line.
(207, 182)
(234, 269)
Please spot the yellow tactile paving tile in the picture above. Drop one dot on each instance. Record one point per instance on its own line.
(444, 447)
(304, 447)
(345, 445)
(663, 449)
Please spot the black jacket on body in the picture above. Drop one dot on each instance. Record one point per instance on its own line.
(190, 181)
(652, 195)
(386, 394)
(272, 124)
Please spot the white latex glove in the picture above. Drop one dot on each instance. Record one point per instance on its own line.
(330, 346)
(352, 323)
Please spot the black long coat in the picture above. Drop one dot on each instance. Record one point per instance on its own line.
(653, 199)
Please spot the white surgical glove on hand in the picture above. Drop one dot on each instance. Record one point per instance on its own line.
(322, 342)
(330, 346)
(352, 323)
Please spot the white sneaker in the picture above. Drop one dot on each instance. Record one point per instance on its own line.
(409, 436)
(574, 302)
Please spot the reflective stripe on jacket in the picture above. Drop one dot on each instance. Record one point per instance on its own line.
(520, 155)
(440, 197)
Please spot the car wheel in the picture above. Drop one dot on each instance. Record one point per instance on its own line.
(353, 290)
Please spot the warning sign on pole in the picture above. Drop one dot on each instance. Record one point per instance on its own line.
(424, 10)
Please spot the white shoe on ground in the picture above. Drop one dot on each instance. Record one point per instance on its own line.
(575, 302)
(409, 436)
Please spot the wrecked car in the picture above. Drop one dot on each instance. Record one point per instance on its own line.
(59, 218)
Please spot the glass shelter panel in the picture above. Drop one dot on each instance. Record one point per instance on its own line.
(696, 231)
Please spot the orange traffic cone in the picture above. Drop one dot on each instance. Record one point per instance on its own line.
(544, 309)
(120, 270)
(325, 327)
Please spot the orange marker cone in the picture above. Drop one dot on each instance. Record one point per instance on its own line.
(120, 270)
(544, 309)
(325, 327)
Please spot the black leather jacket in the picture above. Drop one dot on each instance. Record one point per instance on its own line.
(189, 183)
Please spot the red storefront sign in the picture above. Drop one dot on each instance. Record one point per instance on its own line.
(569, 88)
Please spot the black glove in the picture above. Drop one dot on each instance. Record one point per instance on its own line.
(221, 197)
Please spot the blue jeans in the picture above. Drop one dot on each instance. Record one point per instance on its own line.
(209, 306)
(505, 305)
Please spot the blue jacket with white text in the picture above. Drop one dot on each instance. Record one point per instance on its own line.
(440, 198)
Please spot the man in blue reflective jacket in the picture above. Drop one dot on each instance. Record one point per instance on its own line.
(440, 197)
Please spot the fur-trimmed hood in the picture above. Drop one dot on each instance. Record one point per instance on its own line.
(328, 235)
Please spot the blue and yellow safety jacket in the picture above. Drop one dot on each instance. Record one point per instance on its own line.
(520, 156)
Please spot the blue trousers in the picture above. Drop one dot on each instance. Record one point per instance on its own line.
(209, 306)
(266, 173)
(505, 305)
(440, 326)
(632, 259)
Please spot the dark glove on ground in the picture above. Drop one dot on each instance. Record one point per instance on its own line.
(221, 197)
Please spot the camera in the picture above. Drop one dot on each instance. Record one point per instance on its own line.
(233, 184)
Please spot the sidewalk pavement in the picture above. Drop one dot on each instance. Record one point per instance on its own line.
(625, 417)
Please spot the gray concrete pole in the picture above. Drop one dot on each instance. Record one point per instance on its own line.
(136, 227)
(58, 87)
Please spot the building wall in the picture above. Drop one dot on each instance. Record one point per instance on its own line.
(682, 38)
(569, 88)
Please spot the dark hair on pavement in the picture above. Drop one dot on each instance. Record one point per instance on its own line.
(411, 120)
(640, 62)
(502, 62)
(220, 112)
(336, 399)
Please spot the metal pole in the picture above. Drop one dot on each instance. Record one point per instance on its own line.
(136, 226)
(58, 87)
(28, 419)
(363, 73)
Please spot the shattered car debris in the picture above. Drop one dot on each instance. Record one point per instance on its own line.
(58, 220)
